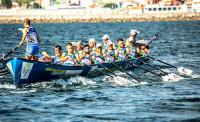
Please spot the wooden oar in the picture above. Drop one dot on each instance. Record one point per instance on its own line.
(181, 70)
(144, 69)
(3, 61)
(99, 70)
(104, 73)
(155, 36)
(118, 68)
(165, 77)
(123, 70)
(9, 53)
(165, 73)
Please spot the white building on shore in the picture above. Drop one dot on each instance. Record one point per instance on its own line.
(196, 5)
(59, 4)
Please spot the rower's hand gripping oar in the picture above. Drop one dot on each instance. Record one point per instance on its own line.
(181, 70)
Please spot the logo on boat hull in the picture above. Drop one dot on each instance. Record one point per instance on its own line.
(26, 69)
(55, 71)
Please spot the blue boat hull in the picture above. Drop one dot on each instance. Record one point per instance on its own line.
(27, 71)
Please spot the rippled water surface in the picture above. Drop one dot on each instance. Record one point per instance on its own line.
(104, 98)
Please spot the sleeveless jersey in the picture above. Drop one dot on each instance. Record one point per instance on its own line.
(109, 56)
(121, 54)
(71, 61)
(31, 36)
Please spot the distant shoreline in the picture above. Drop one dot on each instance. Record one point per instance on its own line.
(12, 19)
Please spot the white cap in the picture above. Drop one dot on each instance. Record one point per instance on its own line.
(73, 43)
(106, 37)
(134, 32)
(110, 42)
(99, 45)
(130, 39)
(92, 40)
(79, 42)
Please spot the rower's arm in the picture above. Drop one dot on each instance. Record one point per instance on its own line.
(77, 57)
(82, 56)
(127, 52)
(116, 54)
(24, 31)
(63, 59)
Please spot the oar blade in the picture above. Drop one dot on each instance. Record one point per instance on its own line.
(184, 71)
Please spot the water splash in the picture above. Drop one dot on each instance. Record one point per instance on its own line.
(24, 91)
(195, 76)
(121, 81)
(7, 86)
(73, 81)
(81, 80)
(172, 78)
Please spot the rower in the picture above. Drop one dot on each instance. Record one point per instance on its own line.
(87, 56)
(74, 46)
(121, 52)
(132, 37)
(78, 50)
(69, 59)
(98, 55)
(131, 49)
(142, 51)
(106, 40)
(31, 37)
(92, 43)
(53, 59)
(109, 53)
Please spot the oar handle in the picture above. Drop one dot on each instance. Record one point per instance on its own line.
(5, 56)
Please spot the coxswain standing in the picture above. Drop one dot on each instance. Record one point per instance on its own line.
(31, 37)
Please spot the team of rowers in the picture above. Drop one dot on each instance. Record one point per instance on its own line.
(94, 53)
(79, 54)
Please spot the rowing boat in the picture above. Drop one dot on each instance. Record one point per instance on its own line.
(27, 71)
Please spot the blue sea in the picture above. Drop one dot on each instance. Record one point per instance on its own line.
(104, 98)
